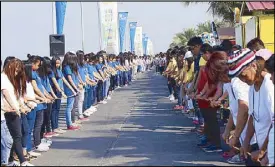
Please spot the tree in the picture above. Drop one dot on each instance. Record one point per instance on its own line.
(222, 9)
(181, 38)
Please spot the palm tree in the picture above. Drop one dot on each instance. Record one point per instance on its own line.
(181, 38)
(223, 9)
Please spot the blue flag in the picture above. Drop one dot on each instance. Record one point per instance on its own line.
(122, 20)
(132, 26)
(60, 8)
(145, 45)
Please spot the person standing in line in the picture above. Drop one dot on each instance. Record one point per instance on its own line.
(69, 68)
(13, 81)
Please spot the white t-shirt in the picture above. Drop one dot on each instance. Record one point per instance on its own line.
(238, 90)
(7, 85)
(263, 105)
(30, 93)
(126, 63)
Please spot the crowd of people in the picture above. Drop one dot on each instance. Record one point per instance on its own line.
(32, 91)
(228, 91)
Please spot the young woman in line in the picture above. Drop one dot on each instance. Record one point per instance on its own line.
(44, 71)
(57, 80)
(101, 84)
(69, 68)
(13, 81)
(40, 90)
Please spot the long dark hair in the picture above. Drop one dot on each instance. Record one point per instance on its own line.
(45, 68)
(70, 60)
(80, 58)
(53, 63)
(18, 81)
(189, 60)
(28, 72)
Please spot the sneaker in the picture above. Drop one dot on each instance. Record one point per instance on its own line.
(77, 121)
(13, 163)
(48, 135)
(49, 142)
(26, 164)
(237, 159)
(126, 85)
(83, 119)
(202, 143)
(73, 127)
(42, 148)
(212, 149)
(32, 153)
(103, 102)
(54, 134)
(172, 98)
(45, 144)
(109, 98)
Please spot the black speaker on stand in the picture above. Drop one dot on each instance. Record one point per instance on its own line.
(57, 45)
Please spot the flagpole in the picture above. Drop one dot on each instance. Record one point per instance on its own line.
(99, 27)
(53, 18)
(82, 25)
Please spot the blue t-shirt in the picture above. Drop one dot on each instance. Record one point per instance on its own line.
(58, 78)
(39, 83)
(99, 67)
(67, 71)
(46, 83)
(82, 72)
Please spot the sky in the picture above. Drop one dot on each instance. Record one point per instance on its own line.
(26, 26)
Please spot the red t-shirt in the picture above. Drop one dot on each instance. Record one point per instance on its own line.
(202, 81)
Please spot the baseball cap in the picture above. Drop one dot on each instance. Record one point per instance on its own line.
(188, 55)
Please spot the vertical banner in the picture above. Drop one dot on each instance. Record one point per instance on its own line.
(132, 27)
(143, 43)
(109, 26)
(60, 8)
(146, 45)
(150, 50)
(122, 20)
(138, 42)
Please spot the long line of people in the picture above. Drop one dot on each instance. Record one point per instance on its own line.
(228, 93)
(32, 91)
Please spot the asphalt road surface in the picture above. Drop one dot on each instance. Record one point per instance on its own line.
(135, 128)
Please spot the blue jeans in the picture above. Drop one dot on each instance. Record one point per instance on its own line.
(25, 130)
(55, 112)
(85, 102)
(125, 77)
(107, 87)
(130, 75)
(6, 143)
(31, 116)
(104, 89)
(68, 111)
(94, 97)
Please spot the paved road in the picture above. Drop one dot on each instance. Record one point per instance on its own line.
(136, 128)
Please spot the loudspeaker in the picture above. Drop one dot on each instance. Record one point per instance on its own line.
(57, 45)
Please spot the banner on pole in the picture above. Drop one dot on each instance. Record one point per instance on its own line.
(60, 8)
(138, 42)
(145, 45)
(132, 27)
(122, 20)
(150, 50)
(109, 27)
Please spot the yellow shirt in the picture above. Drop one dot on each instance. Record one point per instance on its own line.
(202, 62)
(190, 73)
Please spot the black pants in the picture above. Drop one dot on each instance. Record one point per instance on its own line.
(161, 70)
(46, 126)
(37, 127)
(157, 68)
(174, 87)
(211, 125)
(14, 126)
(112, 83)
(75, 108)
(99, 91)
